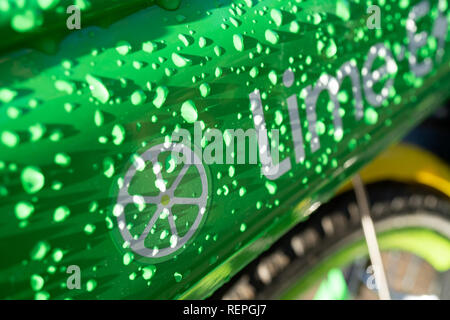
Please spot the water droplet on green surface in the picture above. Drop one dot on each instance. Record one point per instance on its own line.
(98, 118)
(118, 133)
(338, 135)
(36, 282)
(25, 21)
(148, 46)
(42, 295)
(277, 16)
(204, 90)
(37, 131)
(89, 228)
(161, 96)
(178, 276)
(273, 77)
(278, 117)
(163, 234)
(320, 128)
(318, 169)
(65, 86)
(271, 187)
(47, 4)
(91, 284)
(403, 4)
(148, 272)
(39, 250)
(238, 42)
(343, 10)
(180, 61)
(123, 47)
(10, 139)
(23, 210)
(61, 213)
(370, 116)
(231, 171)
(108, 167)
(254, 72)
(127, 258)
(98, 89)
(202, 42)
(294, 27)
(218, 72)
(189, 111)
(138, 65)
(7, 95)
(68, 107)
(331, 49)
(62, 159)
(185, 39)
(272, 36)
(32, 179)
(138, 97)
(57, 255)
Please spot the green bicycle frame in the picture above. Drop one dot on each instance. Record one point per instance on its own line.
(276, 104)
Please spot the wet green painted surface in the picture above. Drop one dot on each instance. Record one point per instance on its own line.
(23, 20)
(74, 122)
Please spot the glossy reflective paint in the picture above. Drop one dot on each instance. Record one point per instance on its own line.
(22, 21)
(87, 173)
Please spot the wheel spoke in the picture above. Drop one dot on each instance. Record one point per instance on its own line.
(153, 200)
(150, 224)
(124, 199)
(173, 227)
(156, 168)
(179, 177)
(179, 200)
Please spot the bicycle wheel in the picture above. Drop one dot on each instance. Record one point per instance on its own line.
(326, 257)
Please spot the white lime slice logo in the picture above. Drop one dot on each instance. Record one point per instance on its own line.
(162, 201)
